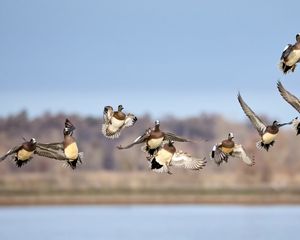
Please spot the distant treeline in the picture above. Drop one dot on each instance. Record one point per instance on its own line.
(279, 167)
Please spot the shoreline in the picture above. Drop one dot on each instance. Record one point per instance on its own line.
(149, 199)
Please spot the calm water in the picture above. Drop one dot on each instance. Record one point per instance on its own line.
(150, 222)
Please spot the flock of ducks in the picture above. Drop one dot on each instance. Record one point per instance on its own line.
(158, 144)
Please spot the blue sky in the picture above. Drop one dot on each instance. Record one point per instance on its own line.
(159, 57)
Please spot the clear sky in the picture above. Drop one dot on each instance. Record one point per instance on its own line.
(159, 57)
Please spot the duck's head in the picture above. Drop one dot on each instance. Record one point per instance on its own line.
(120, 108)
(298, 37)
(275, 123)
(157, 124)
(170, 143)
(230, 136)
(32, 141)
(69, 127)
(67, 131)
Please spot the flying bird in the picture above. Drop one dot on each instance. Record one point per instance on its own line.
(67, 150)
(293, 101)
(267, 133)
(290, 56)
(228, 148)
(153, 139)
(23, 153)
(115, 121)
(168, 156)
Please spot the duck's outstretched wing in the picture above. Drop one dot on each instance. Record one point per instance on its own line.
(10, 152)
(239, 152)
(217, 155)
(53, 146)
(139, 140)
(130, 120)
(287, 96)
(58, 155)
(108, 112)
(255, 120)
(184, 160)
(172, 137)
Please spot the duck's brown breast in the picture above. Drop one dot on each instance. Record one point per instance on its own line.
(227, 146)
(272, 129)
(119, 115)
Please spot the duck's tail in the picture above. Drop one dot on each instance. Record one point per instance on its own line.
(285, 68)
(21, 163)
(260, 145)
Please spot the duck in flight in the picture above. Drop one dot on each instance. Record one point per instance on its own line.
(153, 139)
(24, 152)
(228, 148)
(268, 133)
(67, 150)
(290, 56)
(168, 156)
(115, 121)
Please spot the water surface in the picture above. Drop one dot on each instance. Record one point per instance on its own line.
(150, 222)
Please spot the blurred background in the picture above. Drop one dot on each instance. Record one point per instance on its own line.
(182, 62)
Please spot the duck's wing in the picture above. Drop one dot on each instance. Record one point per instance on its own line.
(217, 155)
(287, 96)
(53, 146)
(286, 51)
(184, 160)
(130, 120)
(108, 112)
(172, 137)
(58, 155)
(255, 120)
(139, 140)
(239, 152)
(10, 152)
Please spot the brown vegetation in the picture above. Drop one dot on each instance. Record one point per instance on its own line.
(106, 170)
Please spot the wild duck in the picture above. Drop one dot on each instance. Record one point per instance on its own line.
(290, 56)
(228, 148)
(115, 121)
(153, 139)
(268, 133)
(168, 156)
(66, 150)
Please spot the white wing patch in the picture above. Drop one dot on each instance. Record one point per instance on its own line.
(130, 120)
(184, 160)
